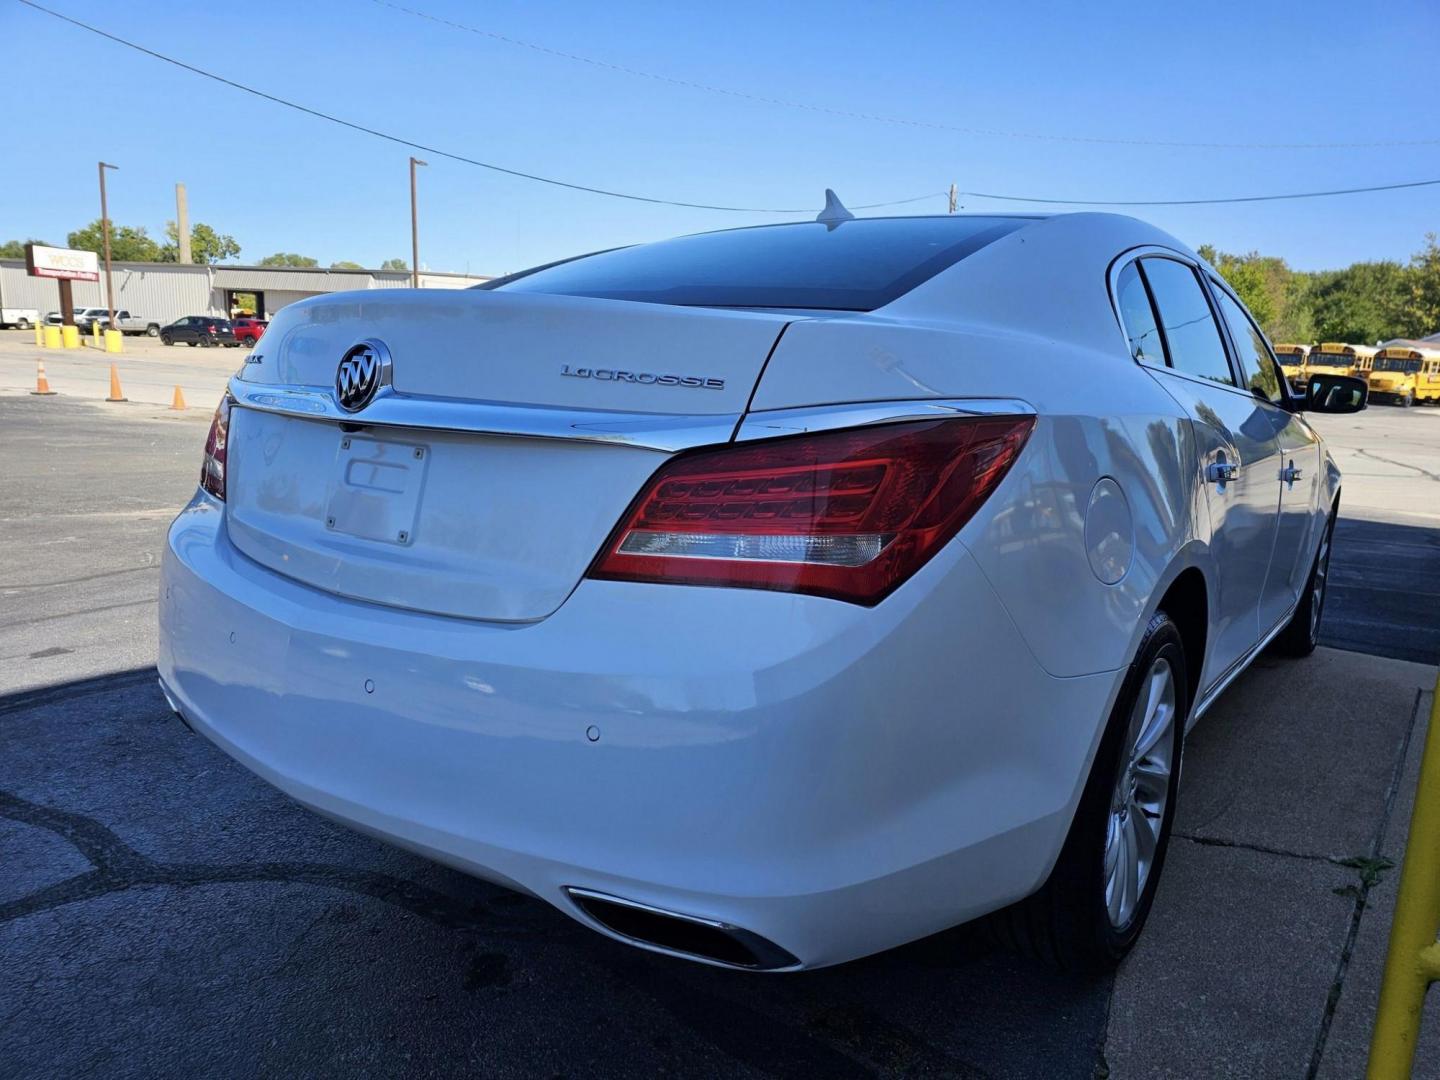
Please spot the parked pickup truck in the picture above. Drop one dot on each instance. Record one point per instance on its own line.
(24, 318)
(127, 323)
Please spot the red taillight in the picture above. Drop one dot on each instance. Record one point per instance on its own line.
(212, 469)
(845, 514)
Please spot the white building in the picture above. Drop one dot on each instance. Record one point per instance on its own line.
(169, 291)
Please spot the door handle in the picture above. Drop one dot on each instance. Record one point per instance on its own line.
(1220, 471)
(1291, 473)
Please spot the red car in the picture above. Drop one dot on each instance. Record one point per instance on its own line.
(248, 331)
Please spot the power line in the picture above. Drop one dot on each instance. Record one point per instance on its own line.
(1202, 202)
(318, 114)
(446, 153)
(879, 118)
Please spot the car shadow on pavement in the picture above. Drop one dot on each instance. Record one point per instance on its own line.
(1384, 592)
(169, 910)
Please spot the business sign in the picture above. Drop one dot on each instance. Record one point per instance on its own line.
(61, 263)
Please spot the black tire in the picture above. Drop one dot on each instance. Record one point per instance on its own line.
(152, 331)
(23, 324)
(1302, 632)
(1067, 924)
(192, 344)
(165, 339)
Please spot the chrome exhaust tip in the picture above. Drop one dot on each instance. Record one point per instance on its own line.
(692, 937)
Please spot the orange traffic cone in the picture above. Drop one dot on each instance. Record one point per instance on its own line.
(115, 394)
(177, 404)
(42, 384)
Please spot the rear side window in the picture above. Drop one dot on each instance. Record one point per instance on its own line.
(1191, 335)
(1256, 364)
(1139, 318)
(858, 265)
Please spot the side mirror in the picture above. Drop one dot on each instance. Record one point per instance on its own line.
(1335, 394)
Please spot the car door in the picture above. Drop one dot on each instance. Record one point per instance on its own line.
(1239, 456)
(1301, 513)
(185, 329)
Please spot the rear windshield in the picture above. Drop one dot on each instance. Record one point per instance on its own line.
(858, 265)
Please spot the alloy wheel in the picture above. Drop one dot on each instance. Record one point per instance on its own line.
(1317, 582)
(1141, 794)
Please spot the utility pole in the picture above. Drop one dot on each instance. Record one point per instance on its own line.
(182, 222)
(105, 233)
(954, 195)
(414, 228)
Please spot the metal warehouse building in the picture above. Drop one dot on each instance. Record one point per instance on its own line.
(169, 291)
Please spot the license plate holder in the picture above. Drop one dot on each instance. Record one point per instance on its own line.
(375, 489)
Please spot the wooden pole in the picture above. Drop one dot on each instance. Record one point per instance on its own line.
(105, 234)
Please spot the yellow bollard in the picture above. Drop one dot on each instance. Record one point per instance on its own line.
(70, 336)
(113, 338)
(1413, 960)
(52, 337)
(95, 331)
(40, 334)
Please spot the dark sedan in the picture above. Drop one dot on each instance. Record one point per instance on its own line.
(202, 330)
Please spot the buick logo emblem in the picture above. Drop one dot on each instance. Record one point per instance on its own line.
(363, 370)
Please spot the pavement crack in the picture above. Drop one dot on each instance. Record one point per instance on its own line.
(18, 585)
(105, 851)
(1262, 849)
(148, 602)
(118, 867)
(1399, 464)
(1362, 895)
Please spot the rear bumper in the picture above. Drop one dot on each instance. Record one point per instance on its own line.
(834, 779)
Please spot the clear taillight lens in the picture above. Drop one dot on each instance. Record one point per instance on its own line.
(212, 469)
(847, 514)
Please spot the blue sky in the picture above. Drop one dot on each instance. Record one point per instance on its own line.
(278, 180)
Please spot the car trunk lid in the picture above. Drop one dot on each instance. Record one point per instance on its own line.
(514, 432)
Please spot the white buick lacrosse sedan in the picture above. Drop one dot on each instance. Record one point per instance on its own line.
(767, 597)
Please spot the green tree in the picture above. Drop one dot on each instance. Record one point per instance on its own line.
(288, 258)
(1422, 305)
(346, 264)
(1362, 304)
(394, 264)
(15, 249)
(206, 245)
(127, 243)
(1275, 294)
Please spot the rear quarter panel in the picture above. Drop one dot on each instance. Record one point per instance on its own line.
(981, 331)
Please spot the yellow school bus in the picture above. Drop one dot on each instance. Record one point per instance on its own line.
(1405, 374)
(1337, 358)
(1292, 364)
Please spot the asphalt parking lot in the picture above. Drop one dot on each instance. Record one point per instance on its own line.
(163, 911)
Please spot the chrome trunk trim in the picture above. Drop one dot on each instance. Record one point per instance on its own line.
(661, 432)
